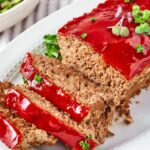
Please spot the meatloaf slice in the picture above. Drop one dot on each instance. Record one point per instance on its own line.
(88, 45)
(28, 136)
(99, 101)
(45, 115)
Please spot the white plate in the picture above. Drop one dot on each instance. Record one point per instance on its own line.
(133, 137)
(17, 13)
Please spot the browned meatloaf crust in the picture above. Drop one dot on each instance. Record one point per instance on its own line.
(83, 58)
(31, 136)
(100, 100)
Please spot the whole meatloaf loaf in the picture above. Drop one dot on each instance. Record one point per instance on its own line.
(15, 132)
(106, 46)
(84, 103)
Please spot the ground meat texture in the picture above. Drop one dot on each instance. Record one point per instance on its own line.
(98, 128)
(83, 58)
(31, 135)
(86, 92)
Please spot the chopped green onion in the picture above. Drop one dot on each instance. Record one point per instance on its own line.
(139, 48)
(38, 79)
(84, 35)
(120, 30)
(124, 32)
(116, 30)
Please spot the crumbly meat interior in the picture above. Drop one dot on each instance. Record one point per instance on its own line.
(97, 127)
(31, 136)
(83, 58)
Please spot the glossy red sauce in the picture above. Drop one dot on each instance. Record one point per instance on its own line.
(119, 52)
(9, 135)
(51, 92)
(44, 120)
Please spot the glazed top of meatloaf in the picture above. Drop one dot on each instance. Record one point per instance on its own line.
(130, 54)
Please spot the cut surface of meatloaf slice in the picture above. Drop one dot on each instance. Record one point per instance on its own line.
(15, 132)
(43, 114)
(84, 59)
(46, 116)
(85, 93)
(108, 60)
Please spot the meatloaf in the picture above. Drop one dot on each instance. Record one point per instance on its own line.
(15, 132)
(99, 104)
(45, 115)
(89, 46)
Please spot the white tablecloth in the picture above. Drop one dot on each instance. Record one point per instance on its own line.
(44, 8)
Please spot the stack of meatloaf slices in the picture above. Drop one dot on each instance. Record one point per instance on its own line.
(73, 100)
(56, 100)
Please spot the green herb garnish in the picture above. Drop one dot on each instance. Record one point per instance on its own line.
(139, 48)
(38, 79)
(127, 1)
(141, 18)
(84, 145)
(84, 35)
(51, 45)
(24, 80)
(143, 28)
(93, 19)
(89, 136)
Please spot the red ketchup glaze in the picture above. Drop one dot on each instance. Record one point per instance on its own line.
(119, 52)
(44, 120)
(51, 92)
(9, 135)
